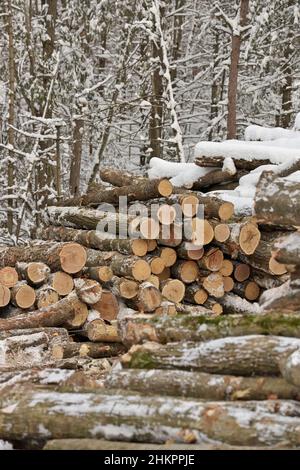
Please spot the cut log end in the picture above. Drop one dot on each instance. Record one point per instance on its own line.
(128, 288)
(151, 245)
(228, 283)
(4, 296)
(139, 247)
(189, 205)
(277, 268)
(203, 232)
(166, 214)
(72, 258)
(108, 306)
(200, 297)
(98, 330)
(8, 277)
(23, 296)
(37, 273)
(80, 315)
(226, 211)
(242, 272)
(213, 284)
(149, 228)
(222, 232)
(88, 291)
(252, 291)
(46, 296)
(226, 268)
(169, 256)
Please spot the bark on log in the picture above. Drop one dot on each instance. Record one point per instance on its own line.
(233, 304)
(139, 191)
(279, 206)
(186, 271)
(156, 419)
(88, 219)
(240, 163)
(217, 177)
(202, 327)
(55, 315)
(195, 294)
(101, 273)
(70, 257)
(118, 177)
(94, 239)
(285, 298)
(247, 290)
(245, 355)
(201, 385)
(244, 237)
(189, 251)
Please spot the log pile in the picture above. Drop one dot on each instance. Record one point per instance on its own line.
(166, 326)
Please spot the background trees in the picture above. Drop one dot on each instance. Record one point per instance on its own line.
(98, 82)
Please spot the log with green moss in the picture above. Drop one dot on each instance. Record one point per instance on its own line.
(133, 417)
(192, 327)
(243, 355)
(181, 383)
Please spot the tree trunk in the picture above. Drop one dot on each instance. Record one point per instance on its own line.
(234, 70)
(75, 170)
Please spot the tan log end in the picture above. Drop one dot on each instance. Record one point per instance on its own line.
(139, 247)
(166, 214)
(37, 273)
(165, 188)
(169, 256)
(213, 284)
(108, 306)
(228, 283)
(226, 211)
(194, 252)
(226, 268)
(62, 283)
(166, 274)
(249, 238)
(23, 296)
(200, 296)
(46, 296)
(128, 288)
(152, 245)
(252, 291)
(203, 232)
(8, 276)
(189, 271)
(4, 296)
(166, 308)
(149, 228)
(141, 270)
(213, 259)
(105, 273)
(217, 309)
(157, 265)
(57, 352)
(222, 232)
(276, 268)
(189, 205)
(72, 258)
(98, 330)
(242, 272)
(154, 280)
(80, 315)
(173, 290)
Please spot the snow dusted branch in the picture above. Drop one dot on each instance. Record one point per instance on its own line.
(166, 65)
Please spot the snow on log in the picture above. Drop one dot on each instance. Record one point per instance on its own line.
(135, 329)
(260, 133)
(287, 250)
(243, 355)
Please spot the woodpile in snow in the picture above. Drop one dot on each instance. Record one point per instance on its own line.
(188, 334)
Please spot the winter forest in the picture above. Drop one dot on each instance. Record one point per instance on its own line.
(97, 82)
